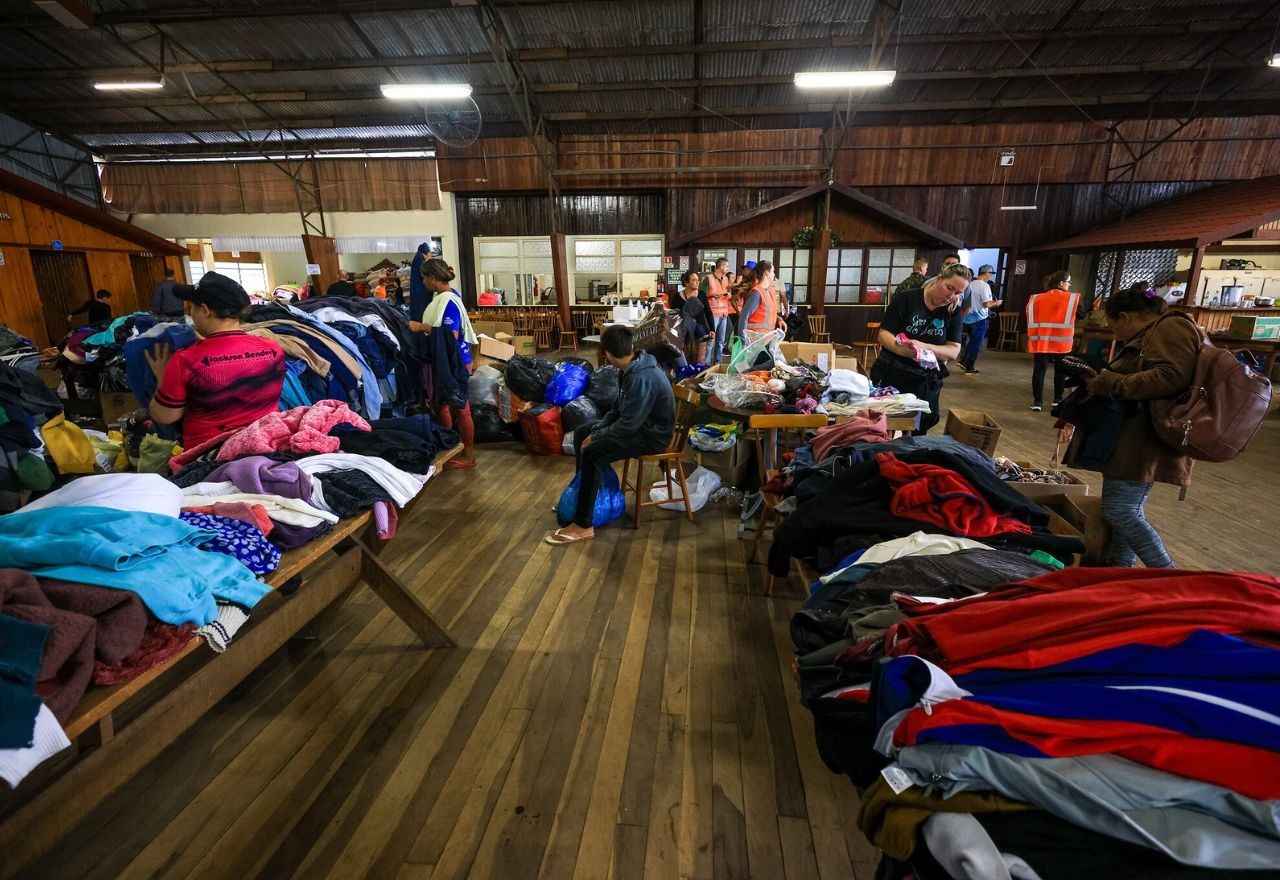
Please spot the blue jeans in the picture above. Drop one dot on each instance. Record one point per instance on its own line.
(977, 335)
(720, 331)
(1131, 535)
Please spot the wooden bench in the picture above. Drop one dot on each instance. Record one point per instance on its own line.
(165, 701)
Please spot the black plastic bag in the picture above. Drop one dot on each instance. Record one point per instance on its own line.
(490, 428)
(578, 412)
(528, 377)
(602, 387)
(582, 362)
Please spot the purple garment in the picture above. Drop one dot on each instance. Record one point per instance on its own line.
(385, 519)
(288, 537)
(260, 475)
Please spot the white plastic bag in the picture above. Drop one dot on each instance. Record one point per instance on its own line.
(567, 446)
(482, 387)
(747, 357)
(701, 483)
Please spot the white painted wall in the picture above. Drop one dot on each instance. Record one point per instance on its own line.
(289, 268)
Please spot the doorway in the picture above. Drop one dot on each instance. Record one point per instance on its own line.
(62, 281)
(148, 271)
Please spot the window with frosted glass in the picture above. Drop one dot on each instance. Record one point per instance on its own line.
(793, 269)
(595, 247)
(844, 275)
(498, 248)
(632, 247)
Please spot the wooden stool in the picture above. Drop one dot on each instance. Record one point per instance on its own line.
(687, 401)
(818, 329)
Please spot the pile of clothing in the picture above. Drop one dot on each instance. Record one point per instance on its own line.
(1004, 720)
(1014, 473)
(31, 424)
(864, 491)
(18, 351)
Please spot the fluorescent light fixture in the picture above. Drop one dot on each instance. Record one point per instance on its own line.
(129, 85)
(844, 79)
(1274, 60)
(1019, 208)
(419, 91)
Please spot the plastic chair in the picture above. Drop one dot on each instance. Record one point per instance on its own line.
(818, 329)
(870, 347)
(687, 401)
(1008, 335)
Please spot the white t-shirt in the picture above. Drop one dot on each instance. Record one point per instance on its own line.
(981, 295)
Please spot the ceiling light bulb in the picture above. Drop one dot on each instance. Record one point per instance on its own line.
(844, 79)
(419, 91)
(129, 85)
(1274, 60)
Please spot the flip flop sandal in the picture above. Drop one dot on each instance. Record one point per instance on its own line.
(457, 464)
(558, 537)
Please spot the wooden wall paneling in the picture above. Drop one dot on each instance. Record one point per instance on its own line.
(20, 307)
(114, 272)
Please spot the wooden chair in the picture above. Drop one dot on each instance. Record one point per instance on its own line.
(870, 346)
(544, 328)
(818, 329)
(573, 337)
(1008, 332)
(582, 322)
(687, 401)
(523, 319)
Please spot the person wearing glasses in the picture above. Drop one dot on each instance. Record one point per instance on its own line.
(919, 335)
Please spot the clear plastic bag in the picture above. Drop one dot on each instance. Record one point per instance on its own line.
(744, 361)
(741, 392)
(702, 483)
(482, 387)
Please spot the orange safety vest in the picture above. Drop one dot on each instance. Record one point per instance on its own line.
(765, 317)
(717, 297)
(1051, 322)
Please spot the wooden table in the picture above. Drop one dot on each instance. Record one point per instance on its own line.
(35, 816)
(1269, 347)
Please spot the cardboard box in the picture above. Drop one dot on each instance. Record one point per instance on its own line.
(1080, 516)
(974, 428)
(493, 328)
(509, 404)
(490, 350)
(1254, 327)
(736, 465)
(524, 345)
(1059, 525)
(1037, 491)
(117, 404)
(845, 363)
(50, 376)
(822, 355)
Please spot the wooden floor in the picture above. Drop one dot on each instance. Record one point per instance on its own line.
(621, 708)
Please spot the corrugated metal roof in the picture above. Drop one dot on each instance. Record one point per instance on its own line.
(424, 32)
(599, 24)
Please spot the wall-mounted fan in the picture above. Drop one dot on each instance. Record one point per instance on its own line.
(455, 123)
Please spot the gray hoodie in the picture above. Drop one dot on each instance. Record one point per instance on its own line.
(645, 412)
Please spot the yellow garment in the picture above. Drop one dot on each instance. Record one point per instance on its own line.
(890, 820)
(68, 446)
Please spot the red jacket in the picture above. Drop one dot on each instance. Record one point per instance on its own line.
(939, 496)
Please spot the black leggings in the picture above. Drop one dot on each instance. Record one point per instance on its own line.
(1042, 362)
(926, 386)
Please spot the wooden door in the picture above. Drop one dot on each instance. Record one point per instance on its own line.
(62, 280)
(147, 273)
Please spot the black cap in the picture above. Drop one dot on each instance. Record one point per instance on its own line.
(215, 291)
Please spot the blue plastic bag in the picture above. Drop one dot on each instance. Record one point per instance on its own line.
(611, 503)
(568, 383)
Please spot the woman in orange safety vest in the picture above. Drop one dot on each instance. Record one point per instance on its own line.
(759, 312)
(1051, 330)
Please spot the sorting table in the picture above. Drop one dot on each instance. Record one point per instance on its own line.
(173, 696)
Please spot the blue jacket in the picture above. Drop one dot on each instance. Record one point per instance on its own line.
(645, 412)
(419, 296)
(149, 554)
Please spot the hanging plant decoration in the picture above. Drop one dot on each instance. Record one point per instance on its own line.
(804, 237)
